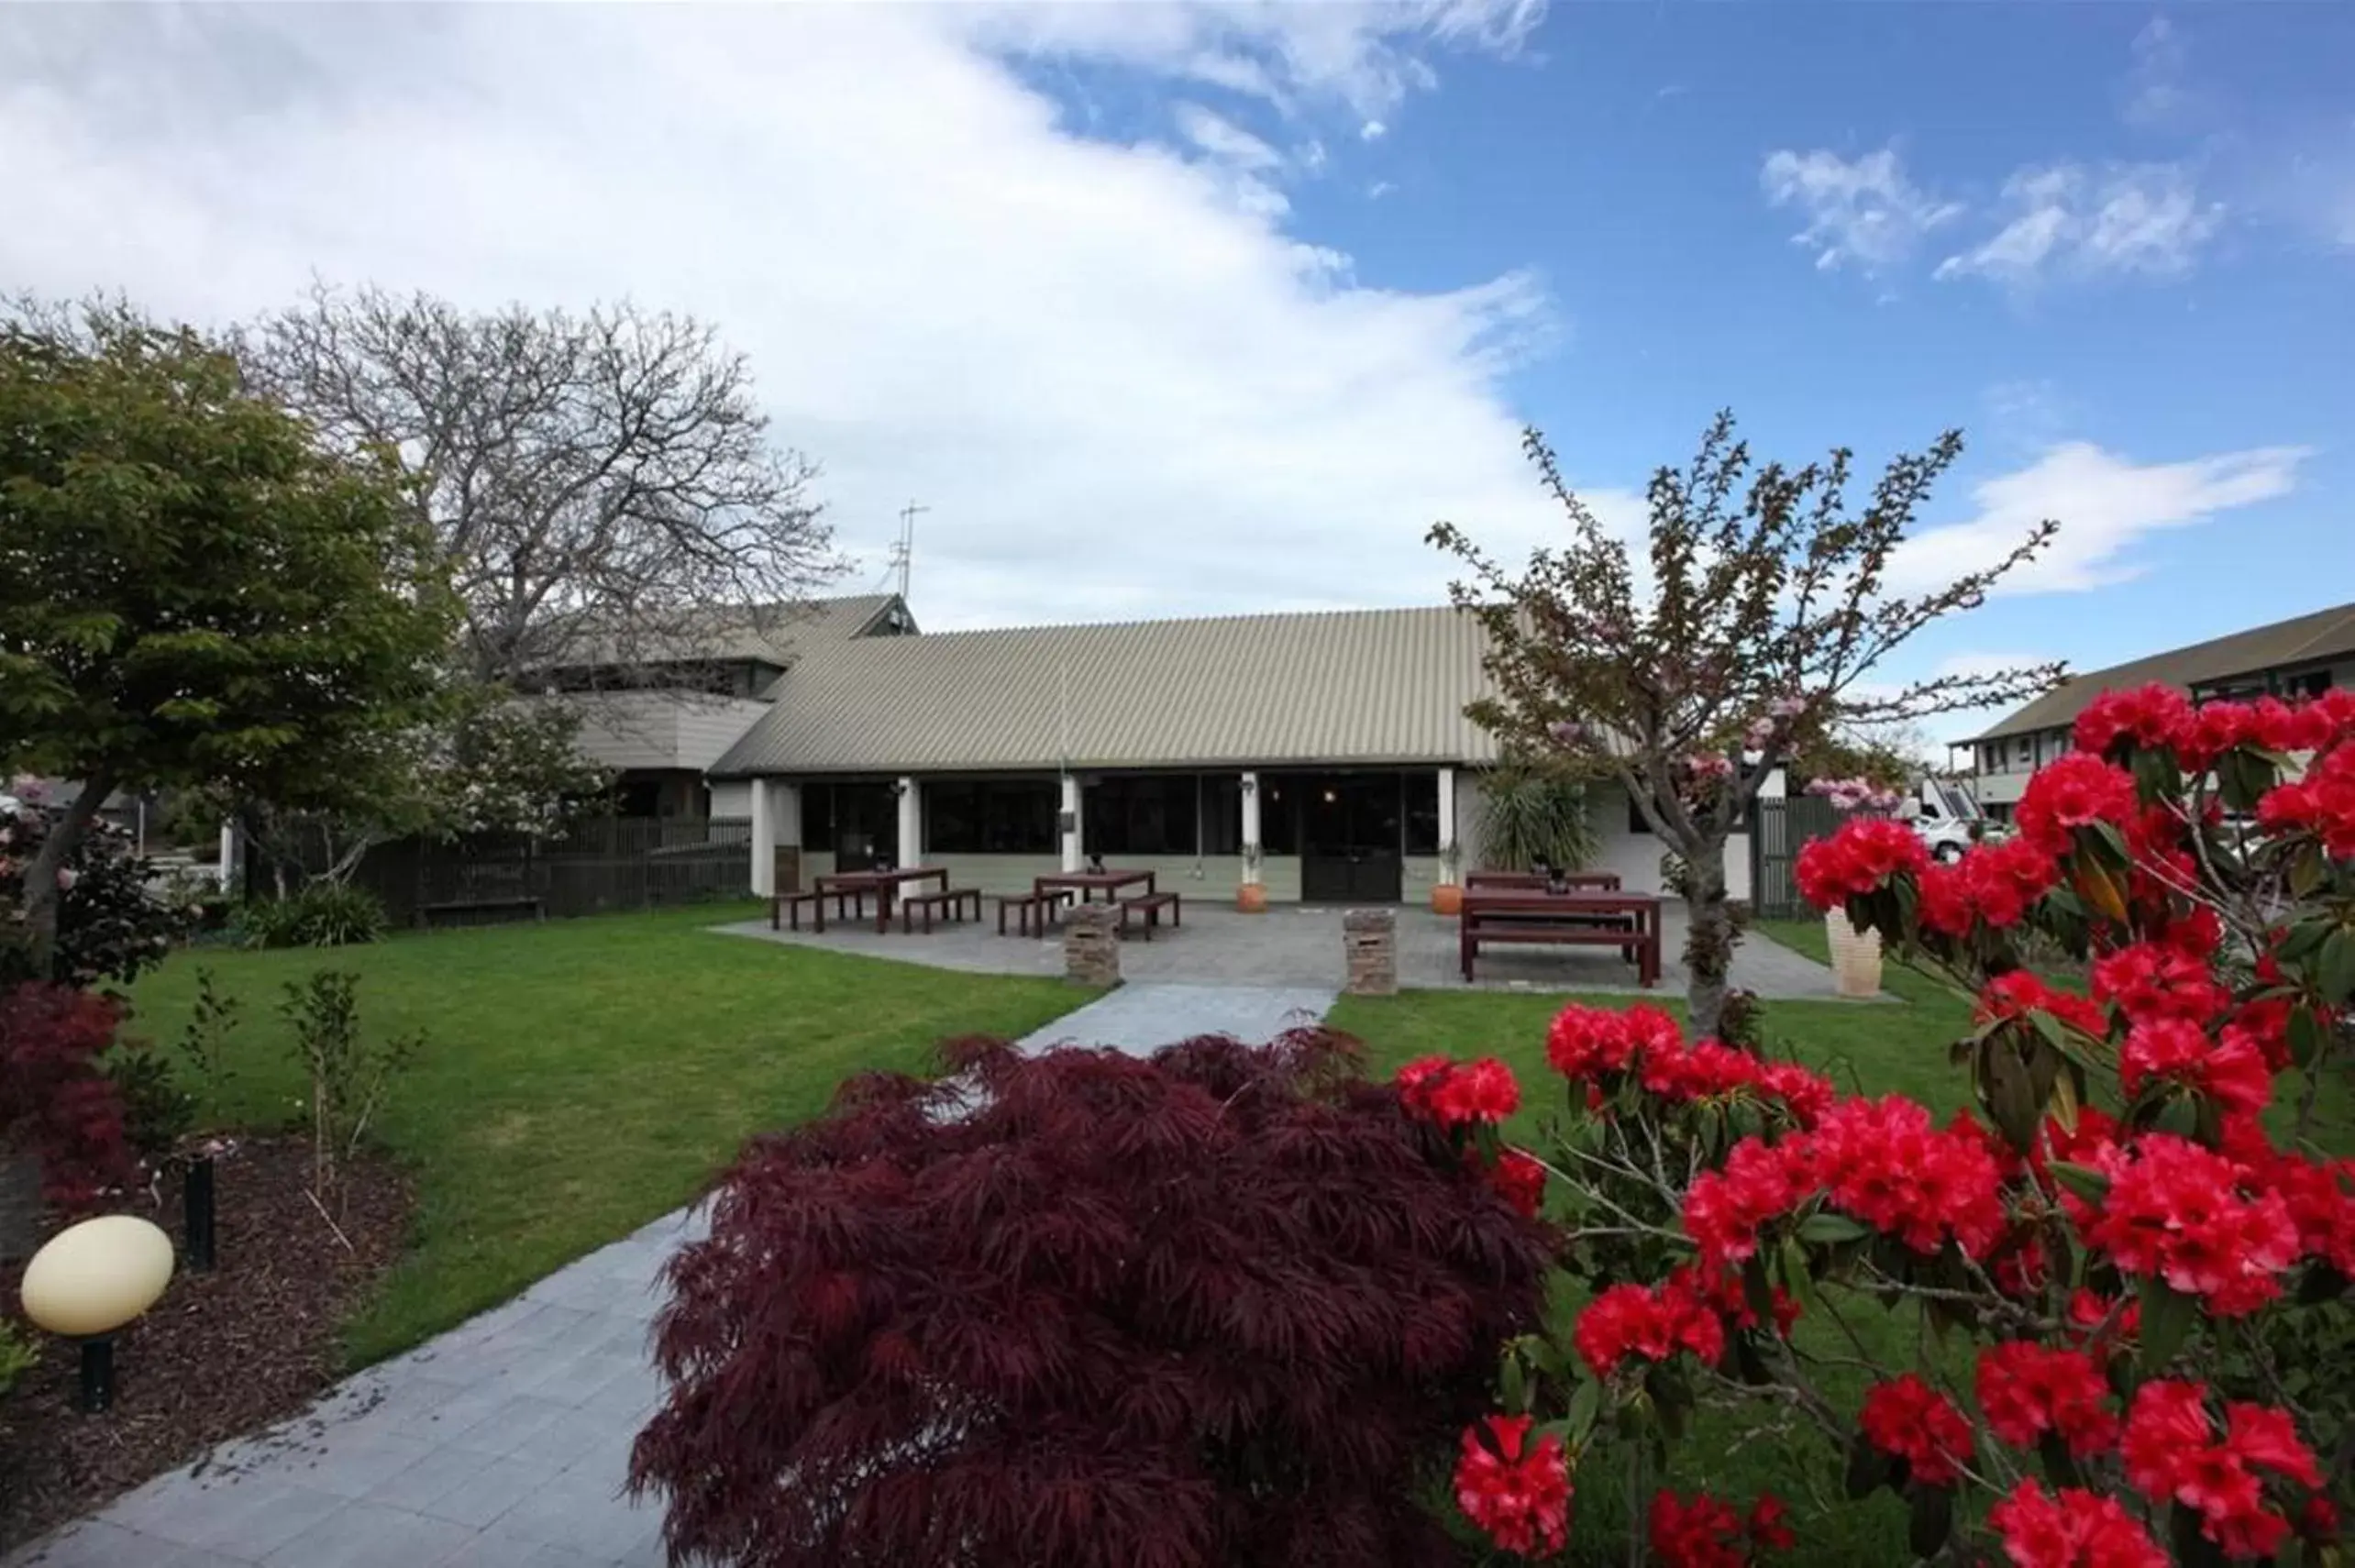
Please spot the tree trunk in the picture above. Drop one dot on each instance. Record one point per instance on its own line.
(41, 896)
(1708, 939)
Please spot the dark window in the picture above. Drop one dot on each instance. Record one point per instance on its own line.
(1221, 813)
(1150, 814)
(1422, 813)
(817, 816)
(1279, 813)
(859, 823)
(989, 816)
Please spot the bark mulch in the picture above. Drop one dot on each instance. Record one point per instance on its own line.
(222, 1353)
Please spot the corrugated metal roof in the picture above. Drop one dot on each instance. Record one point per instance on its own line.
(1333, 686)
(2305, 639)
(772, 634)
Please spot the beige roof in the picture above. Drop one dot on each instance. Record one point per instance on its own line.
(773, 634)
(1356, 686)
(2318, 638)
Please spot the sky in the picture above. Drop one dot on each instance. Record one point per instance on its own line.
(1212, 308)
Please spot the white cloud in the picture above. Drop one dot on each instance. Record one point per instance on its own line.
(1221, 138)
(1372, 130)
(2106, 505)
(1119, 392)
(2155, 93)
(1862, 212)
(2069, 220)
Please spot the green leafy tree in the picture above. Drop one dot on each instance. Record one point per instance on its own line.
(194, 591)
(1749, 640)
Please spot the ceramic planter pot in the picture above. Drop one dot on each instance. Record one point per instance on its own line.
(1251, 898)
(1856, 956)
(1446, 899)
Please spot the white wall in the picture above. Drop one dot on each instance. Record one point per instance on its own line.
(732, 797)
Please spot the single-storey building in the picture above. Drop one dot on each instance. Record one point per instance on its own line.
(1332, 743)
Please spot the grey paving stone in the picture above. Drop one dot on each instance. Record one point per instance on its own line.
(442, 1471)
(93, 1543)
(583, 1514)
(1142, 1018)
(370, 1535)
(494, 1488)
(194, 1557)
(238, 1517)
(348, 1465)
(505, 1552)
(515, 1419)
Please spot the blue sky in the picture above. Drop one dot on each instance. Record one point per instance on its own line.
(1212, 306)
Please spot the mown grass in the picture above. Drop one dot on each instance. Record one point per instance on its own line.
(580, 1077)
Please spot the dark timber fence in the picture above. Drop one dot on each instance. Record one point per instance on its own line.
(1784, 824)
(598, 865)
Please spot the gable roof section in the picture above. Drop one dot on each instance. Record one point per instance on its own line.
(1363, 686)
(771, 634)
(2317, 638)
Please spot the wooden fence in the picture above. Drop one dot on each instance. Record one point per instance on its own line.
(1782, 825)
(599, 865)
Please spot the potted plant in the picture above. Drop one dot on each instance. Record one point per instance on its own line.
(1855, 954)
(1447, 894)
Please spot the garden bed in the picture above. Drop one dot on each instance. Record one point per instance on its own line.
(221, 1355)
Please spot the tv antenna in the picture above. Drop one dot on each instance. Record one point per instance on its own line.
(903, 553)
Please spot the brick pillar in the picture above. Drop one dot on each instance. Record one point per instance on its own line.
(1369, 940)
(1092, 944)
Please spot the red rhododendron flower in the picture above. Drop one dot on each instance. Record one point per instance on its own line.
(2266, 1021)
(1808, 1094)
(2230, 1071)
(1707, 1533)
(1456, 1094)
(1583, 1042)
(2015, 995)
(1768, 1531)
(2190, 1215)
(2027, 1389)
(2075, 1530)
(2171, 1454)
(1883, 1162)
(1907, 1418)
(2322, 802)
(1654, 1323)
(2148, 718)
(2152, 980)
(1521, 1179)
(1724, 1209)
(2293, 727)
(1517, 1491)
(2072, 792)
(1865, 853)
(2321, 1202)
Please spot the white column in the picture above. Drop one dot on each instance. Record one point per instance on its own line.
(1446, 826)
(912, 823)
(1073, 854)
(764, 842)
(1250, 827)
(228, 855)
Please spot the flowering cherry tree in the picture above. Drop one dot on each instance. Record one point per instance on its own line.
(2130, 1265)
(1747, 644)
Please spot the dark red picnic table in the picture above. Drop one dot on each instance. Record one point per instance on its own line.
(884, 885)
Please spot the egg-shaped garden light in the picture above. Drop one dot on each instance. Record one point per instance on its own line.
(88, 1282)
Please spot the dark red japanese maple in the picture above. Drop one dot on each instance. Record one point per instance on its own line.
(1215, 1307)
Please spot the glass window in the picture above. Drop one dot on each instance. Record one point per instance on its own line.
(1222, 813)
(817, 816)
(989, 816)
(2026, 750)
(865, 823)
(1422, 813)
(1279, 814)
(1149, 813)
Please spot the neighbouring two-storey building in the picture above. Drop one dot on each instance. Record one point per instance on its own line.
(1323, 756)
(2300, 656)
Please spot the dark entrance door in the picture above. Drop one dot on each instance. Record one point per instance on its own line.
(1350, 825)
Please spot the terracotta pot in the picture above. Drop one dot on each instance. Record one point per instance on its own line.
(1446, 899)
(1856, 956)
(1251, 898)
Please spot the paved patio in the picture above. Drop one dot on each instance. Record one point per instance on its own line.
(504, 1443)
(1299, 945)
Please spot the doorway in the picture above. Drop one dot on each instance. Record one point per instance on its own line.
(1351, 825)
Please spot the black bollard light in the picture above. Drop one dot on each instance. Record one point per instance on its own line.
(97, 1374)
(196, 1225)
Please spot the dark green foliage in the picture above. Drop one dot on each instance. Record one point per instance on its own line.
(1531, 816)
(157, 1112)
(323, 914)
(110, 928)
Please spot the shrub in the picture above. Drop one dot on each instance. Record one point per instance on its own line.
(157, 1112)
(110, 926)
(55, 1097)
(323, 914)
(351, 1074)
(2133, 1270)
(19, 1351)
(1080, 1310)
(1530, 816)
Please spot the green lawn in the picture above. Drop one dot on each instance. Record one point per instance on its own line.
(582, 1076)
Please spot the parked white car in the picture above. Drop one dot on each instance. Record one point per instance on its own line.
(1948, 820)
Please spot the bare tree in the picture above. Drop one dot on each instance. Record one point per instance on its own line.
(1768, 609)
(602, 486)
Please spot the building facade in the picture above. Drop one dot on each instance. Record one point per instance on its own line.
(2301, 656)
(1323, 756)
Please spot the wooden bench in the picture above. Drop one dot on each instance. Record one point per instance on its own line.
(537, 906)
(1038, 907)
(1150, 906)
(790, 905)
(1628, 922)
(948, 903)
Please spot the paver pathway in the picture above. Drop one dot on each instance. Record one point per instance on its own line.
(504, 1442)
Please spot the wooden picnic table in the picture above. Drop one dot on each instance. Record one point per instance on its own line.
(1574, 881)
(1629, 921)
(1087, 883)
(884, 885)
